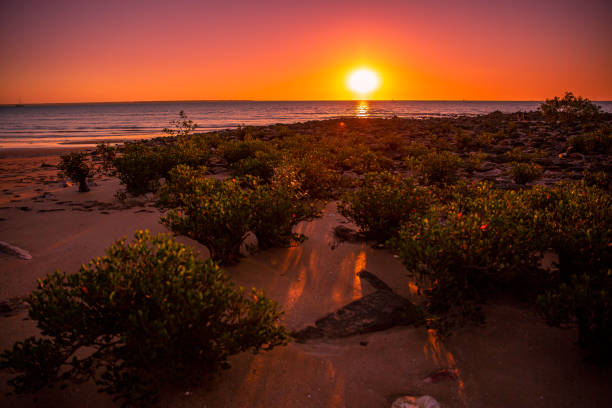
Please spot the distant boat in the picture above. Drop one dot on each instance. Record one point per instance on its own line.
(19, 105)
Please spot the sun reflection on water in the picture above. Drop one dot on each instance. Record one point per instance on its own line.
(435, 350)
(362, 109)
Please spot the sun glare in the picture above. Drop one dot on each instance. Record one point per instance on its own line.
(363, 81)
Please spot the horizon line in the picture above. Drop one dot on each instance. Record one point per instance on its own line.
(275, 100)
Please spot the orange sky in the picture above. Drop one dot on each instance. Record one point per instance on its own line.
(72, 51)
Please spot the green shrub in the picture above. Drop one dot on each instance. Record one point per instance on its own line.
(436, 167)
(138, 167)
(570, 109)
(525, 172)
(141, 165)
(599, 179)
(74, 166)
(276, 209)
(261, 165)
(518, 155)
(107, 154)
(473, 161)
(587, 300)
(599, 141)
(181, 127)
(477, 243)
(146, 313)
(219, 214)
(382, 204)
(215, 213)
(236, 150)
(315, 174)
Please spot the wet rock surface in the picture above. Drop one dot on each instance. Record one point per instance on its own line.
(379, 310)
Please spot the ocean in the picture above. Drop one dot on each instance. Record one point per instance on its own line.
(55, 125)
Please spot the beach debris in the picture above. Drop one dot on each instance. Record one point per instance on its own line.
(444, 374)
(415, 402)
(24, 208)
(379, 310)
(15, 251)
(66, 184)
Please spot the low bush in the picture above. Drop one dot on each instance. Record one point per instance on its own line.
(261, 165)
(598, 141)
(570, 109)
(436, 167)
(473, 161)
(478, 242)
(75, 166)
(276, 209)
(107, 155)
(146, 313)
(215, 213)
(523, 173)
(383, 203)
(219, 214)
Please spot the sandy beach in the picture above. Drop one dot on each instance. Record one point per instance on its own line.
(515, 360)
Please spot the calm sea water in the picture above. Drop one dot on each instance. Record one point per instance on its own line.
(80, 124)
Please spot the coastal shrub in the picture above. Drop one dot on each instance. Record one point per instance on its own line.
(235, 150)
(183, 126)
(138, 167)
(147, 313)
(141, 165)
(106, 154)
(598, 141)
(74, 165)
(436, 167)
(315, 174)
(578, 225)
(261, 165)
(479, 242)
(382, 204)
(219, 214)
(577, 221)
(276, 209)
(518, 155)
(570, 109)
(473, 161)
(599, 179)
(525, 172)
(466, 140)
(416, 149)
(362, 159)
(586, 300)
(215, 213)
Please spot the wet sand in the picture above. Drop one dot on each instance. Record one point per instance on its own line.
(513, 361)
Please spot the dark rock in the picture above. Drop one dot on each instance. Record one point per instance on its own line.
(380, 310)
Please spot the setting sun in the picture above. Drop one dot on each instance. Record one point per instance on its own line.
(363, 81)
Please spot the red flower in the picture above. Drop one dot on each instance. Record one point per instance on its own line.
(483, 227)
(84, 289)
(459, 215)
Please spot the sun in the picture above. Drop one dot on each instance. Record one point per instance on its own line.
(363, 81)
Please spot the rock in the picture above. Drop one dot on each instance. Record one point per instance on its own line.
(15, 251)
(415, 402)
(380, 310)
